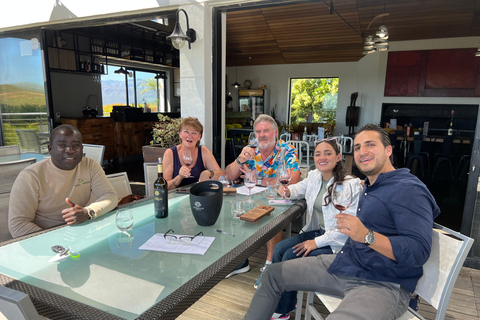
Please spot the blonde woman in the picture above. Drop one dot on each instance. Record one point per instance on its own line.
(203, 165)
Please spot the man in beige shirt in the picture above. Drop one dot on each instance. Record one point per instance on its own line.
(55, 191)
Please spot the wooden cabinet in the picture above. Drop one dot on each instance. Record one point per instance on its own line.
(96, 131)
(131, 136)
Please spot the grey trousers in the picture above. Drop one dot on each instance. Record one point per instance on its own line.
(363, 299)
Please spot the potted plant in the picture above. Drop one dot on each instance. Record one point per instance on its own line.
(294, 127)
(165, 135)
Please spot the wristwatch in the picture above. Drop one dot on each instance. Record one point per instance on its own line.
(212, 173)
(369, 238)
(91, 214)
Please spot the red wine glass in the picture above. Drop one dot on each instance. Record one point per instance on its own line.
(284, 176)
(252, 140)
(342, 196)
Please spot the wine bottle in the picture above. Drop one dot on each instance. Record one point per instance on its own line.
(450, 130)
(160, 193)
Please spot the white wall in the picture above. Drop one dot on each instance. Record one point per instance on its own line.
(367, 77)
(277, 79)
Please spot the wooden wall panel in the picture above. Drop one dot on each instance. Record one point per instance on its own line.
(433, 73)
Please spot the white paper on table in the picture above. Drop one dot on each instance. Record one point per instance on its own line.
(199, 245)
(244, 190)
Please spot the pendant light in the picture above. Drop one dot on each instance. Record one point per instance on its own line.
(236, 84)
(122, 70)
(161, 75)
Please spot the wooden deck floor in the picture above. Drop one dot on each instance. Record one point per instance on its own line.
(229, 299)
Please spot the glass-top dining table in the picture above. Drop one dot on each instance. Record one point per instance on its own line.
(113, 279)
(23, 156)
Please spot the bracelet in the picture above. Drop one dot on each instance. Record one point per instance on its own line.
(174, 184)
(239, 163)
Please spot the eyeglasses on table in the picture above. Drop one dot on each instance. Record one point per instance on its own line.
(170, 238)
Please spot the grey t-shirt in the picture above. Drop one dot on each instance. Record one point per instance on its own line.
(318, 204)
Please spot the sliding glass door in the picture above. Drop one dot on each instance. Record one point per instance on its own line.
(22, 92)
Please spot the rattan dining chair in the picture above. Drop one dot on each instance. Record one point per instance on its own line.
(30, 142)
(440, 272)
(9, 172)
(150, 173)
(9, 150)
(16, 305)
(95, 151)
(120, 183)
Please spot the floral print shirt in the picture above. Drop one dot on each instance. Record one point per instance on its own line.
(268, 168)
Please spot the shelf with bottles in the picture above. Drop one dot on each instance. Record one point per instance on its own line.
(97, 46)
(112, 49)
(91, 64)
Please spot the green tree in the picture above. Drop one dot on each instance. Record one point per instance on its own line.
(315, 95)
(151, 85)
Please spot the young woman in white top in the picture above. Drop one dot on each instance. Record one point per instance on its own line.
(317, 189)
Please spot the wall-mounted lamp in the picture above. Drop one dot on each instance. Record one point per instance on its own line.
(161, 75)
(178, 37)
(122, 70)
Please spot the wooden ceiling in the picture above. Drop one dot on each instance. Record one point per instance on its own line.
(307, 33)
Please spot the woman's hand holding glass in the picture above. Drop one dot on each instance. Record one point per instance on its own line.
(342, 198)
(188, 161)
(284, 191)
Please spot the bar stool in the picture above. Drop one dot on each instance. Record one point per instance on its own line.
(417, 155)
(398, 151)
(444, 157)
(463, 167)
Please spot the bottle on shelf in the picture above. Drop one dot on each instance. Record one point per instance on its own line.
(160, 193)
(450, 128)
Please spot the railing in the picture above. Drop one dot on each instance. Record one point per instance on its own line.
(27, 120)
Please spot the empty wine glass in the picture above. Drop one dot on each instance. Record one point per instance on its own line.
(250, 182)
(252, 140)
(224, 181)
(187, 159)
(284, 175)
(124, 219)
(271, 191)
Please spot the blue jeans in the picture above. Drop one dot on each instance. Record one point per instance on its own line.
(284, 251)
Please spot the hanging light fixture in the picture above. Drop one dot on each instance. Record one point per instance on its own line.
(236, 84)
(161, 75)
(122, 70)
(382, 32)
(369, 45)
(178, 37)
(380, 43)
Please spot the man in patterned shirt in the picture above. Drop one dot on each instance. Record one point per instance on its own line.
(264, 159)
